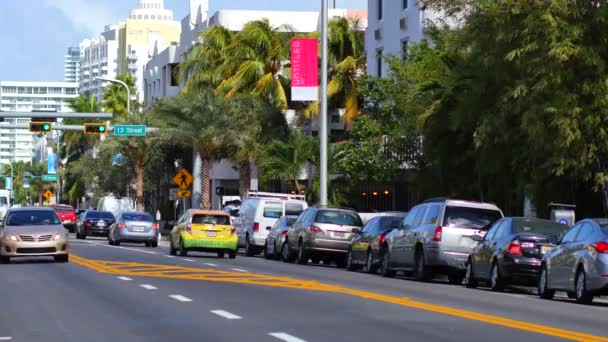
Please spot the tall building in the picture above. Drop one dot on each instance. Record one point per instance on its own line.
(18, 144)
(98, 58)
(392, 26)
(72, 65)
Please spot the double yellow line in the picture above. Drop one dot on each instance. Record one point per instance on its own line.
(215, 275)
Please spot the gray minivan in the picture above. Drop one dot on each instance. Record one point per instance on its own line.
(435, 238)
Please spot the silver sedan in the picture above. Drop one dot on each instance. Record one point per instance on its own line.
(138, 227)
(579, 264)
(276, 237)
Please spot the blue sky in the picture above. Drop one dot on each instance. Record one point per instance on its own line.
(36, 33)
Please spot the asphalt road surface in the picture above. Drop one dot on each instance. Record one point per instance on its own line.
(133, 293)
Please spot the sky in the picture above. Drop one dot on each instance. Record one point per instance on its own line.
(34, 34)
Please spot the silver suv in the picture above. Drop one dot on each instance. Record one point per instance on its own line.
(435, 238)
(321, 233)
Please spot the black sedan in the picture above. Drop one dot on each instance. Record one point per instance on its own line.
(511, 252)
(365, 247)
(94, 223)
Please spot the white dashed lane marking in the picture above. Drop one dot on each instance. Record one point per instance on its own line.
(180, 298)
(286, 337)
(239, 270)
(5, 338)
(210, 264)
(189, 260)
(225, 314)
(124, 278)
(149, 287)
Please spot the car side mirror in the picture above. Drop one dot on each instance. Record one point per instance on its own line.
(356, 230)
(477, 238)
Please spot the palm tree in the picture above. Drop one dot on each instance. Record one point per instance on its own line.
(37, 170)
(195, 118)
(115, 96)
(75, 142)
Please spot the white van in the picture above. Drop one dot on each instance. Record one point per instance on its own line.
(258, 214)
(115, 205)
(5, 202)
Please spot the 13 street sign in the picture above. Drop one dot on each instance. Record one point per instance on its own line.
(130, 130)
(49, 178)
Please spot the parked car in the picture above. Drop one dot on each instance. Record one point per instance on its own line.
(511, 252)
(94, 223)
(67, 215)
(321, 233)
(365, 248)
(366, 216)
(435, 238)
(276, 236)
(80, 211)
(203, 231)
(259, 212)
(33, 231)
(134, 226)
(579, 264)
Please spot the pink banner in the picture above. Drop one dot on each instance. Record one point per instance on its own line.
(304, 69)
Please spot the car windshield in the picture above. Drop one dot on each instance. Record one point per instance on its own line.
(142, 217)
(32, 218)
(474, 218)
(273, 209)
(552, 230)
(343, 218)
(211, 219)
(291, 221)
(61, 208)
(106, 215)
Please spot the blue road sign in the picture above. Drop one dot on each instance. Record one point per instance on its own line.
(52, 163)
(8, 183)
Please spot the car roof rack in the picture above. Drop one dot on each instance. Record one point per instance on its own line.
(260, 194)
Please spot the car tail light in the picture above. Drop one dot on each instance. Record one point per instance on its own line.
(284, 233)
(600, 247)
(232, 231)
(256, 227)
(189, 228)
(437, 233)
(382, 237)
(155, 226)
(315, 230)
(514, 247)
(121, 225)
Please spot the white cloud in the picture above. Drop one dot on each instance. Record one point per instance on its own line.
(88, 15)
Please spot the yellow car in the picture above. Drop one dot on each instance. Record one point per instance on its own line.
(204, 231)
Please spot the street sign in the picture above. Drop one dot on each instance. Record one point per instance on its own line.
(48, 195)
(130, 130)
(183, 178)
(173, 194)
(52, 163)
(8, 183)
(49, 178)
(184, 193)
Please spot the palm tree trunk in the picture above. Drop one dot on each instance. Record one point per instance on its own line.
(40, 189)
(205, 193)
(244, 178)
(139, 175)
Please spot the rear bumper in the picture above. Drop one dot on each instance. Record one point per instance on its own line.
(94, 231)
(206, 245)
(520, 270)
(445, 260)
(20, 248)
(327, 245)
(128, 236)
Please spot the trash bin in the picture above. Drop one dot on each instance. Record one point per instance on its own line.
(563, 213)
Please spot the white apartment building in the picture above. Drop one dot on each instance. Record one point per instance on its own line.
(18, 144)
(392, 26)
(72, 65)
(98, 58)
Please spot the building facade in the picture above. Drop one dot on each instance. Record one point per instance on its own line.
(19, 144)
(72, 65)
(98, 58)
(392, 26)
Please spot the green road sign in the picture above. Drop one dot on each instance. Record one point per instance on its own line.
(130, 130)
(49, 178)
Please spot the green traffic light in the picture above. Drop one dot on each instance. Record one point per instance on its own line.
(46, 127)
(102, 128)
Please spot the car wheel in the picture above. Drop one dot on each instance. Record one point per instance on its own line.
(455, 279)
(232, 255)
(267, 254)
(182, 249)
(154, 243)
(582, 295)
(148, 244)
(469, 276)
(496, 282)
(5, 259)
(277, 252)
(302, 257)
(286, 253)
(315, 259)
(385, 268)
(341, 261)
(62, 258)
(172, 250)
(369, 264)
(349, 261)
(116, 242)
(249, 248)
(571, 295)
(220, 255)
(543, 290)
(422, 272)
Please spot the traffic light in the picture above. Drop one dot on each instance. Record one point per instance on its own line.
(41, 127)
(95, 128)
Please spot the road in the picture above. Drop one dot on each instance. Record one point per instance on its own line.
(133, 293)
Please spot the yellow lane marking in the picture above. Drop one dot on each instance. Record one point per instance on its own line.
(215, 275)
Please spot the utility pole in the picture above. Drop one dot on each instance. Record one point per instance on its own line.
(323, 116)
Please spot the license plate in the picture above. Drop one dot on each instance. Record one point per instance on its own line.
(101, 224)
(139, 229)
(545, 249)
(338, 234)
(211, 234)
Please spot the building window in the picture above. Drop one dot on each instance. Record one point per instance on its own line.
(404, 4)
(379, 63)
(404, 49)
(380, 9)
(174, 69)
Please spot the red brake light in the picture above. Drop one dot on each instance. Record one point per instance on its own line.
(155, 226)
(121, 225)
(256, 227)
(189, 228)
(437, 233)
(514, 247)
(232, 231)
(600, 247)
(315, 230)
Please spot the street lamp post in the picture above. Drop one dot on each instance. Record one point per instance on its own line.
(12, 179)
(323, 116)
(113, 80)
